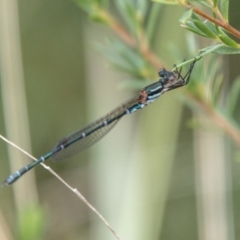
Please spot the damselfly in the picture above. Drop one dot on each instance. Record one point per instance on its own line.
(93, 132)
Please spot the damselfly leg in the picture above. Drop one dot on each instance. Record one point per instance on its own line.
(184, 78)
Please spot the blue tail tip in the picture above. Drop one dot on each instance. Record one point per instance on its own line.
(4, 184)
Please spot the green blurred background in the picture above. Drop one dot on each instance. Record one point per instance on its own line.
(143, 176)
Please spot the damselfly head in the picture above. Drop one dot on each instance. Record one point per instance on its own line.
(161, 72)
(164, 75)
(167, 78)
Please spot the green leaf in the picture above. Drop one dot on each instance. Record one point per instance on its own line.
(191, 27)
(187, 20)
(227, 50)
(212, 27)
(224, 8)
(204, 29)
(227, 40)
(186, 16)
(124, 58)
(195, 31)
(233, 96)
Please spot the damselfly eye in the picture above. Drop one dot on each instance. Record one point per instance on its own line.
(162, 72)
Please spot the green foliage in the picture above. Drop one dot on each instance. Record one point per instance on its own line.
(223, 49)
(227, 40)
(204, 29)
(125, 59)
(133, 14)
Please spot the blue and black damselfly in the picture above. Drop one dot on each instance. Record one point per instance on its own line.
(87, 136)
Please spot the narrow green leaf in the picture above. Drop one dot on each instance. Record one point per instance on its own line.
(227, 50)
(233, 96)
(207, 50)
(123, 58)
(191, 27)
(186, 16)
(227, 40)
(224, 8)
(204, 29)
(195, 31)
(212, 27)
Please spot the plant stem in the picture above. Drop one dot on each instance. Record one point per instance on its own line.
(224, 24)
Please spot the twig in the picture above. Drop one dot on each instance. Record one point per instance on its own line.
(224, 25)
(74, 190)
(216, 11)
